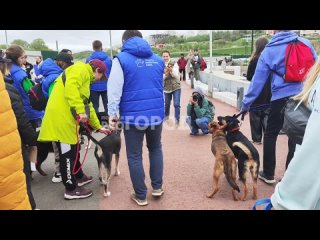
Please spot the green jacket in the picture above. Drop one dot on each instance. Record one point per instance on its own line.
(205, 111)
(58, 123)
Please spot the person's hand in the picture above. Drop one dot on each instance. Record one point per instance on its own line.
(83, 117)
(105, 131)
(113, 122)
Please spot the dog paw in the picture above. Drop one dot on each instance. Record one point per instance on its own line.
(209, 195)
(107, 194)
(117, 173)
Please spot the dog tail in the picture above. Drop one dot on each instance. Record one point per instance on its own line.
(228, 171)
(243, 148)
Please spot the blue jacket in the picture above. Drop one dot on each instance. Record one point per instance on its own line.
(18, 75)
(142, 102)
(100, 86)
(50, 72)
(272, 58)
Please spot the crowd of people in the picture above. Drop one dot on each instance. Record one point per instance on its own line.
(73, 92)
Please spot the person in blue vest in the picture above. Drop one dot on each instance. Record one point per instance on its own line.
(99, 88)
(22, 83)
(271, 60)
(135, 88)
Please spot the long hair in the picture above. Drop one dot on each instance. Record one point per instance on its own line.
(311, 78)
(260, 45)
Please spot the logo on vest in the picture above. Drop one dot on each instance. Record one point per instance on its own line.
(139, 62)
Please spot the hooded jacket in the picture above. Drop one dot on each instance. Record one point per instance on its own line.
(272, 58)
(18, 75)
(100, 86)
(13, 189)
(50, 72)
(142, 100)
(58, 123)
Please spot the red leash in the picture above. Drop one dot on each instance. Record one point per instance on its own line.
(78, 147)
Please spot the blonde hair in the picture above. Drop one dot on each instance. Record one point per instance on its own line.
(311, 78)
(4, 69)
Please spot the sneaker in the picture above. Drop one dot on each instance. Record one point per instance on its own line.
(84, 180)
(140, 202)
(57, 177)
(77, 193)
(194, 133)
(157, 192)
(266, 179)
(39, 169)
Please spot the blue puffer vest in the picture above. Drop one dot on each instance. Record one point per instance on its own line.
(18, 75)
(142, 102)
(50, 72)
(100, 86)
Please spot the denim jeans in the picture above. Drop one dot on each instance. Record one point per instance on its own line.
(94, 97)
(201, 123)
(176, 103)
(134, 142)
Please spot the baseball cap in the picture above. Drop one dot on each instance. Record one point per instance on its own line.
(64, 57)
(5, 60)
(101, 65)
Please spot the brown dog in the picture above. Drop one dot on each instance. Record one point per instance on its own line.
(245, 152)
(225, 160)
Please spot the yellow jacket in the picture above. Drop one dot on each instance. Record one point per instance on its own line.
(58, 123)
(13, 188)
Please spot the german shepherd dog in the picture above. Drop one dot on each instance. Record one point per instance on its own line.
(245, 152)
(225, 160)
(103, 152)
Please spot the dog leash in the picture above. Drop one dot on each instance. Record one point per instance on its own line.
(86, 126)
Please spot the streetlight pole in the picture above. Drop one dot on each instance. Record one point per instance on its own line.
(251, 42)
(6, 38)
(210, 51)
(110, 44)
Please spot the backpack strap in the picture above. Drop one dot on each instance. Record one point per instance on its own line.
(266, 202)
(286, 63)
(64, 78)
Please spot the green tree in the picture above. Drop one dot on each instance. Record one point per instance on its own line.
(21, 43)
(3, 46)
(38, 44)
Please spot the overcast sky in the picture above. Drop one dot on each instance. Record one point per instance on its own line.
(77, 40)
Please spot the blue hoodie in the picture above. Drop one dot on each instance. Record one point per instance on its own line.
(18, 75)
(50, 72)
(100, 86)
(142, 101)
(272, 58)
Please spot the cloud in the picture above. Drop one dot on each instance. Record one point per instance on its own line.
(76, 40)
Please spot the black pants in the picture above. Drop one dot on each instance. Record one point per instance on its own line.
(43, 148)
(258, 124)
(67, 154)
(274, 125)
(183, 73)
(27, 172)
(292, 148)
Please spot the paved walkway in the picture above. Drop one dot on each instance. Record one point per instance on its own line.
(188, 165)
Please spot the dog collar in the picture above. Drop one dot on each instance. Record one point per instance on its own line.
(234, 129)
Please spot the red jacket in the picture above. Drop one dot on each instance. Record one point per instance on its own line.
(203, 65)
(182, 62)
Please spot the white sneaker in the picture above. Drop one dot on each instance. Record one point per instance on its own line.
(57, 177)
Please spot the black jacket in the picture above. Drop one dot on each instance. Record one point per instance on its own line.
(265, 94)
(27, 133)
